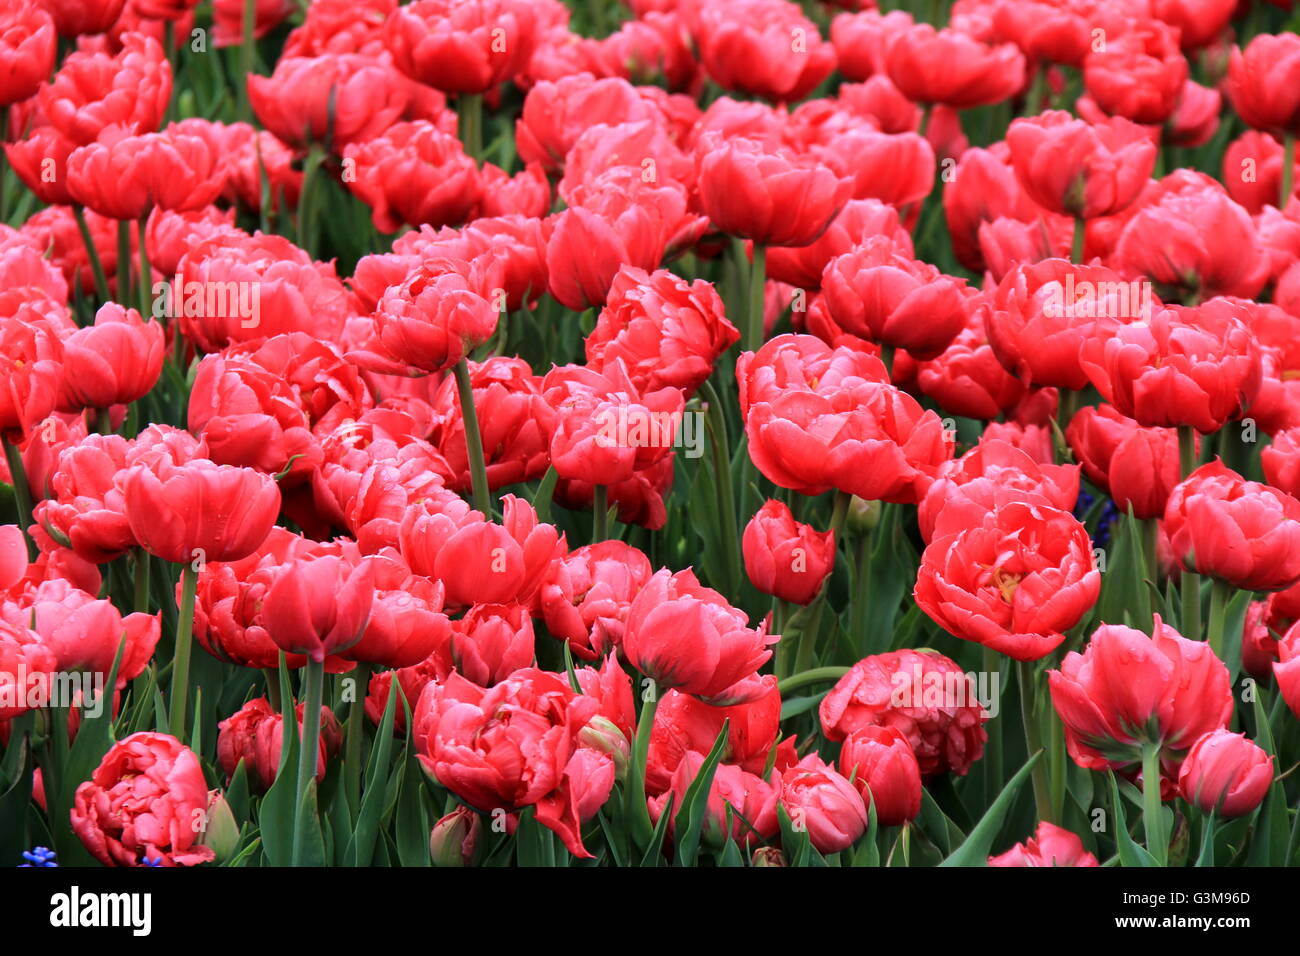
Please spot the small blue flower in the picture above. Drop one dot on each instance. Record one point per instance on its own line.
(153, 861)
(38, 856)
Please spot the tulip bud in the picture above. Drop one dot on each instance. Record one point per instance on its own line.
(602, 734)
(863, 515)
(768, 856)
(1225, 773)
(221, 829)
(454, 838)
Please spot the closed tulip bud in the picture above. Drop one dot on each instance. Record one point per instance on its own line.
(602, 734)
(881, 764)
(199, 511)
(863, 516)
(1049, 846)
(1079, 169)
(1239, 531)
(1225, 773)
(824, 804)
(220, 833)
(454, 839)
(784, 557)
(768, 856)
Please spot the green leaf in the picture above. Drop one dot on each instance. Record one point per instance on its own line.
(412, 828)
(974, 850)
(1271, 836)
(654, 853)
(690, 818)
(1131, 853)
(362, 847)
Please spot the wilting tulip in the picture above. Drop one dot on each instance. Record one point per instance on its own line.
(1225, 773)
(1049, 846)
(1015, 582)
(1239, 531)
(1078, 169)
(924, 695)
(824, 804)
(688, 637)
(881, 764)
(1127, 692)
(1137, 466)
(255, 735)
(784, 557)
(141, 802)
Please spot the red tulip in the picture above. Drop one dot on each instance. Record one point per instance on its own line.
(1252, 171)
(30, 373)
(824, 804)
(74, 17)
(26, 667)
(27, 42)
(228, 19)
(199, 511)
(13, 556)
(984, 188)
(1139, 74)
(880, 762)
(556, 114)
(1049, 846)
(348, 97)
(586, 595)
(662, 329)
(406, 625)
(491, 642)
(897, 169)
(86, 509)
(862, 40)
(771, 196)
(1077, 169)
(686, 636)
(462, 46)
(784, 557)
(254, 735)
(1196, 367)
(1264, 83)
(924, 695)
(952, 68)
(318, 607)
(858, 221)
(967, 378)
(1127, 690)
(763, 47)
(1138, 467)
(750, 795)
(113, 362)
(1225, 773)
(141, 803)
(93, 91)
(1241, 532)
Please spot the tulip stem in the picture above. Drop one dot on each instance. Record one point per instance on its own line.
(22, 492)
(1288, 170)
(103, 421)
(813, 676)
(470, 108)
(146, 273)
(96, 266)
(1076, 247)
(140, 561)
(757, 277)
(181, 657)
(272, 677)
(473, 441)
(246, 51)
(1220, 592)
(638, 813)
(1034, 740)
(314, 687)
(600, 513)
(356, 733)
(1186, 451)
(123, 260)
(721, 445)
(1152, 814)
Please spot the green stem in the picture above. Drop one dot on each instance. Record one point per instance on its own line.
(123, 260)
(1186, 451)
(96, 266)
(755, 301)
(141, 561)
(146, 287)
(924, 127)
(314, 680)
(272, 677)
(246, 51)
(813, 676)
(887, 359)
(356, 734)
(473, 441)
(993, 779)
(1152, 814)
(638, 813)
(1076, 247)
(720, 442)
(103, 421)
(22, 492)
(1288, 170)
(470, 108)
(1034, 739)
(181, 658)
(1220, 592)
(600, 513)
(1189, 591)
(859, 619)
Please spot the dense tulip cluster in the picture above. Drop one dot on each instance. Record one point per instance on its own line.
(706, 432)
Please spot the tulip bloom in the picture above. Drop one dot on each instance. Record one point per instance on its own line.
(1264, 83)
(199, 510)
(858, 221)
(1127, 692)
(923, 694)
(769, 195)
(491, 642)
(1138, 467)
(881, 764)
(586, 595)
(1049, 846)
(1139, 74)
(1078, 169)
(763, 47)
(141, 802)
(753, 798)
(26, 665)
(113, 362)
(347, 96)
(1225, 773)
(784, 557)
(318, 607)
(27, 49)
(254, 736)
(688, 637)
(462, 46)
(825, 804)
(1239, 531)
(124, 177)
(93, 91)
(949, 67)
